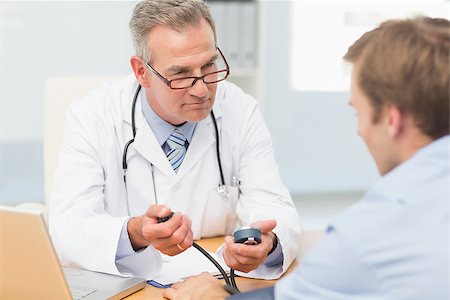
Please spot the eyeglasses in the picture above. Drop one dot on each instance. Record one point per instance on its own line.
(187, 82)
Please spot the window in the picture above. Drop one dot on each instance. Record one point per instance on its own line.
(323, 30)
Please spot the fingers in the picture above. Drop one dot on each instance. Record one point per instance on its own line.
(246, 258)
(152, 230)
(204, 276)
(202, 286)
(183, 235)
(170, 237)
(236, 261)
(250, 251)
(188, 238)
(176, 236)
(169, 293)
(265, 225)
(158, 211)
(233, 263)
(228, 257)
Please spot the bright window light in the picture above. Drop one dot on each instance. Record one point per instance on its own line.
(322, 31)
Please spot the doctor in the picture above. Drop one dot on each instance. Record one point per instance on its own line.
(174, 137)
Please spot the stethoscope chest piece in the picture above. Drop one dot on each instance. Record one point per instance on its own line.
(222, 190)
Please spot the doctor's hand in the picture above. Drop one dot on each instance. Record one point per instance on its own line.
(246, 258)
(171, 237)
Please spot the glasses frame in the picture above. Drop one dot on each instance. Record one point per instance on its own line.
(194, 78)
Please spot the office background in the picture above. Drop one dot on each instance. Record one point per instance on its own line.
(285, 53)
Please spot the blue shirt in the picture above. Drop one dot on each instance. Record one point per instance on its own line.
(161, 128)
(393, 244)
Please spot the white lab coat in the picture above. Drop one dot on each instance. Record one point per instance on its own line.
(90, 203)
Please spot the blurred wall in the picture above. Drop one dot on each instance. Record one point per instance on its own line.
(41, 39)
(314, 132)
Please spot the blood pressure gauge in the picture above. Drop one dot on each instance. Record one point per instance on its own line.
(247, 235)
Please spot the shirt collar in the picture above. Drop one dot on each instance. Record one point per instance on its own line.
(161, 128)
(431, 161)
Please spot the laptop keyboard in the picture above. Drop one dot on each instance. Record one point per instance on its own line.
(79, 292)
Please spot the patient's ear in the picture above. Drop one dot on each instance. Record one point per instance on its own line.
(140, 71)
(395, 120)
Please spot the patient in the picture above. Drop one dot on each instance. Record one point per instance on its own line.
(393, 244)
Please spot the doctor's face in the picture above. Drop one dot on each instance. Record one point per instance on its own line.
(175, 55)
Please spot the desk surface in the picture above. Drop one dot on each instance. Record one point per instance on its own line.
(244, 284)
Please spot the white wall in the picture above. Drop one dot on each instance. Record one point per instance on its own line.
(44, 39)
(40, 40)
(314, 132)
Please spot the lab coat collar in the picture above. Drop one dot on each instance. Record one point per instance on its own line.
(148, 146)
(202, 140)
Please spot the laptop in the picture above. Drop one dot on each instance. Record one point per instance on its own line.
(30, 268)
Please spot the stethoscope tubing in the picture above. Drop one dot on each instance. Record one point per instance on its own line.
(131, 141)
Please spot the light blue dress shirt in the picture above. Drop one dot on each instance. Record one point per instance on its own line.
(162, 130)
(393, 244)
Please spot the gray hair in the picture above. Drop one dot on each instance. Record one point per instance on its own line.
(173, 14)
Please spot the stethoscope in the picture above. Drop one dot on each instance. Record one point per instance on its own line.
(221, 188)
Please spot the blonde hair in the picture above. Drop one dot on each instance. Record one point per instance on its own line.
(406, 63)
(174, 14)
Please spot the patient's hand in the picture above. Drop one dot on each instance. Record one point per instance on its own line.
(202, 286)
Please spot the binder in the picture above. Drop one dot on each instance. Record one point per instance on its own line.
(232, 33)
(217, 9)
(248, 34)
(236, 29)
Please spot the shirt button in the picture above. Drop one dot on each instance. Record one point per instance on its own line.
(175, 187)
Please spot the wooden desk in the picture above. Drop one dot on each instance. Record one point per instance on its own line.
(244, 284)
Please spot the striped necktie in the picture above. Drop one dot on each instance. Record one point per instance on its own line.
(177, 151)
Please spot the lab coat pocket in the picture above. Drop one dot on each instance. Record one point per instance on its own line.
(219, 217)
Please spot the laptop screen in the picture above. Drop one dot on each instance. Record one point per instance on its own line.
(30, 267)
